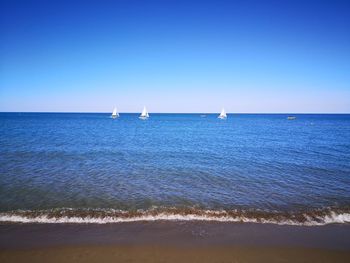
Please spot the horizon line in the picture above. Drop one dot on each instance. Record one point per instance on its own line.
(101, 112)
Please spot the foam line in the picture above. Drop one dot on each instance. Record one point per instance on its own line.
(120, 217)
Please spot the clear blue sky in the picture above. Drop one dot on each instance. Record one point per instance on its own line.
(175, 56)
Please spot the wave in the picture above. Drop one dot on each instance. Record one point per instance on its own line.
(105, 216)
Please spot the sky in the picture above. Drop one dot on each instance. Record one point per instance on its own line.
(175, 56)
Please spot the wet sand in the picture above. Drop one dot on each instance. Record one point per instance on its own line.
(173, 242)
(173, 254)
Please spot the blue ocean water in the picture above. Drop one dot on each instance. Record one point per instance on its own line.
(248, 167)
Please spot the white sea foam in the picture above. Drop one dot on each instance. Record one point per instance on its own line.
(331, 218)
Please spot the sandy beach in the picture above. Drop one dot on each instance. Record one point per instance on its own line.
(173, 242)
(173, 254)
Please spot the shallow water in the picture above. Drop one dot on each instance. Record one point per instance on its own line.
(249, 167)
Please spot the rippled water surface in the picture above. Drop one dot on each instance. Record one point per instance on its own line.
(183, 162)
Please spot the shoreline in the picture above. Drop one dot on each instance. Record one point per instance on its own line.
(173, 242)
(315, 217)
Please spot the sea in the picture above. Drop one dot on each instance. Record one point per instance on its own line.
(89, 168)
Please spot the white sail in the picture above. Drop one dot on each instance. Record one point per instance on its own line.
(223, 114)
(115, 114)
(144, 114)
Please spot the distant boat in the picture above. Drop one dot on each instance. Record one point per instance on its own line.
(291, 118)
(222, 114)
(144, 115)
(115, 114)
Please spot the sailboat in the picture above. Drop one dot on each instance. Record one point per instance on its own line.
(222, 114)
(115, 114)
(144, 115)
